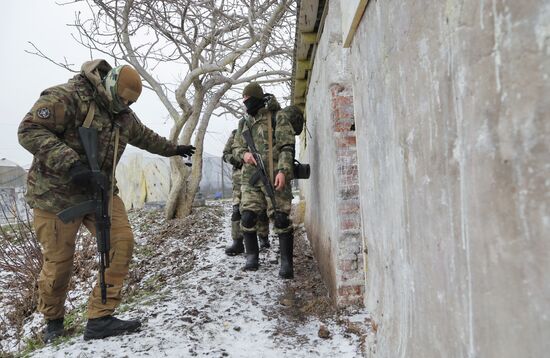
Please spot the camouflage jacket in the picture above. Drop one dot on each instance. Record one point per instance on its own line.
(228, 157)
(50, 132)
(283, 140)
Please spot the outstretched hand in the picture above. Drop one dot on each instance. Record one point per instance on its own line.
(185, 150)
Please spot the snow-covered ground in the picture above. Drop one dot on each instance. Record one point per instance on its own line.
(203, 304)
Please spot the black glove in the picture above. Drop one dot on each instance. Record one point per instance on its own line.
(80, 174)
(185, 150)
(236, 163)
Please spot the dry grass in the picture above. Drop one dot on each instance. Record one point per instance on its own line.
(299, 212)
(20, 265)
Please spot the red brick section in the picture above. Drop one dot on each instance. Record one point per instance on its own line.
(349, 260)
(349, 207)
(350, 295)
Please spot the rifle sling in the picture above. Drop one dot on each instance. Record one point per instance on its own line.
(89, 116)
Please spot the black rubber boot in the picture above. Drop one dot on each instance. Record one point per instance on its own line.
(236, 248)
(264, 242)
(54, 329)
(252, 251)
(108, 326)
(286, 246)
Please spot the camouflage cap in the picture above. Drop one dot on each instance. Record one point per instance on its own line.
(124, 82)
(253, 89)
(129, 84)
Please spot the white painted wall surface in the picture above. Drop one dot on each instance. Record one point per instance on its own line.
(320, 189)
(452, 106)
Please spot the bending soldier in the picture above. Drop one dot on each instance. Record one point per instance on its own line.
(60, 177)
(265, 117)
(237, 246)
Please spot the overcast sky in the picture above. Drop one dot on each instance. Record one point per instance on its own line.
(24, 75)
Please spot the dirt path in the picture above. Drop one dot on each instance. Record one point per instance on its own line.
(196, 301)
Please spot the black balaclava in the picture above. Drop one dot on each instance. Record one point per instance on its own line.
(253, 105)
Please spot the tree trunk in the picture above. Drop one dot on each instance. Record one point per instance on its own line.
(180, 199)
(186, 200)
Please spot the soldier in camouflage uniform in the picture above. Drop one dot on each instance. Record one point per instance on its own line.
(254, 200)
(237, 246)
(60, 178)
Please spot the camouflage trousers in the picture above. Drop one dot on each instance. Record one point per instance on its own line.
(262, 227)
(57, 241)
(255, 198)
(236, 181)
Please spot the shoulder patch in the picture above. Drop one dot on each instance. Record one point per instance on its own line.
(43, 113)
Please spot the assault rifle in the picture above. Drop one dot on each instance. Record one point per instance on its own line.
(261, 173)
(98, 205)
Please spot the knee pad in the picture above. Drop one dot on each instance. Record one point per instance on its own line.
(236, 215)
(249, 219)
(281, 220)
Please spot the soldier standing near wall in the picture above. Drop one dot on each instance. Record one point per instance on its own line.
(237, 246)
(265, 118)
(60, 177)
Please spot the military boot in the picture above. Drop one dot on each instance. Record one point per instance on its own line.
(252, 251)
(286, 246)
(264, 242)
(108, 326)
(236, 248)
(54, 329)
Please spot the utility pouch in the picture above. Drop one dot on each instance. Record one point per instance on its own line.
(301, 171)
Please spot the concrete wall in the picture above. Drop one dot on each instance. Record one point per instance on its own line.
(452, 115)
(332, 217)
(452, 108)
(320, 151)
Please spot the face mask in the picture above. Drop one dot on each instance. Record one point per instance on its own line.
(253, 105)
(116, 105)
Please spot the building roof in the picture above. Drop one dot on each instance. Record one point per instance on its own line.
(7, 163)
(309, 27)
(11, 174)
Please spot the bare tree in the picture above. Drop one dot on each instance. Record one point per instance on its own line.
(213, 44)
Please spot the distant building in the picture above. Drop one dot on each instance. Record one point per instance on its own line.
(11, 174)
(13, 179)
